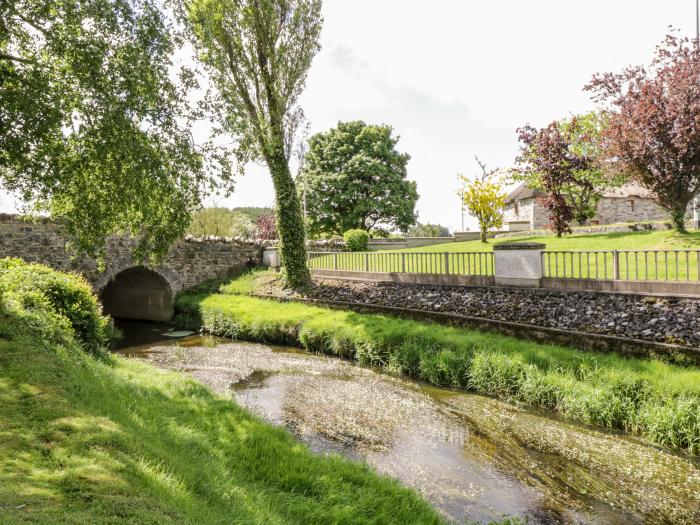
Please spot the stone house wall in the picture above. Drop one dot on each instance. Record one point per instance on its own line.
(525, 210)
(521, 210)
(611, 210)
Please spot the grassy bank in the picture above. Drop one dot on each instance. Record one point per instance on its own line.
(651, 240)
(90, 438)
(656, 400)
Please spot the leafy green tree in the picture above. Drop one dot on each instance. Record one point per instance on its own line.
(428, 230)
(93, 126)
(354, 178)
(221, 222)
(258, 53)
(586, 180)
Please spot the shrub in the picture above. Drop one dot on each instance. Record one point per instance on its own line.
(51, 304)
(356, 240)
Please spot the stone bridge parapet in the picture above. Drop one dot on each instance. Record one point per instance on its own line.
(189, 262)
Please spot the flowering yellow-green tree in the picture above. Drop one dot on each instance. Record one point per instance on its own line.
(484, 198)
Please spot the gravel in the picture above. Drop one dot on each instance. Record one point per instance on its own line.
(667, 320)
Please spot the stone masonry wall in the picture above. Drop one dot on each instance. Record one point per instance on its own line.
(612, 210)
(189, 262)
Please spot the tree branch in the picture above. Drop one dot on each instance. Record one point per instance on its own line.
(5, 56)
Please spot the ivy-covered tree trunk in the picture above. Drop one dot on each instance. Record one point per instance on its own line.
(290, 223)
(678, 217)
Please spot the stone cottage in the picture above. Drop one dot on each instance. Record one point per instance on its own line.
(629, 203)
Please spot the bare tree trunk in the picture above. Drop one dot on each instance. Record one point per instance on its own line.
(483, 236)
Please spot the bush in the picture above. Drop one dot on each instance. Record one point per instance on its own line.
(356, 240)
(51, 305)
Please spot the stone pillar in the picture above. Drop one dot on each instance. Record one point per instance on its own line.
(519, 264)
(271, 257)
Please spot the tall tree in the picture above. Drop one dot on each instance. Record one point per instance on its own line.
(92, 126)
(354, 178)
(653, 129)
(484, 198)
(258, 53)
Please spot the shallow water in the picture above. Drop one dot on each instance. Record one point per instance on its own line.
(473, 457)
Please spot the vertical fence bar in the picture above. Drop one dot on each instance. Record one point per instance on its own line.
(616, 266)
(676, 279)
(687, 266)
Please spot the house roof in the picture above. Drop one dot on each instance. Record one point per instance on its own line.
(523, 191)
(629, 190)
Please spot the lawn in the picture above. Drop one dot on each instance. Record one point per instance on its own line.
(657, 400)
(652, 240)
(101, 439)
(474, 257)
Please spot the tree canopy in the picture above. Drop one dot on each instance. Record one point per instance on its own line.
(354, 178)
(428, 230)
(93, 125)
(258, 53)
(653, 130)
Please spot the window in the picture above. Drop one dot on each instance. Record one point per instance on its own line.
(630, 206)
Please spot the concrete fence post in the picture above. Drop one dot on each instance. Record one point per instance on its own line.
(616, 265)
(447, 263)
(403, 263)
(335, 260)
(366, 262)
(519, 264)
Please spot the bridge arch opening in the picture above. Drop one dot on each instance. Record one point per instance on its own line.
(138, 293)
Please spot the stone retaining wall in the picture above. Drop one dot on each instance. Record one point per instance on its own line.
(628, 319)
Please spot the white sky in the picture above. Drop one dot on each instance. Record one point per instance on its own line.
(455, 78)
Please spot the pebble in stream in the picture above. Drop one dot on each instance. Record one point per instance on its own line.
(473, 457)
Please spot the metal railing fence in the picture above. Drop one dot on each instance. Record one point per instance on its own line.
(443, 263)
(626, 265)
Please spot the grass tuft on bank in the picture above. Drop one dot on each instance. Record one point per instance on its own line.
(86, 439)
(653, 399)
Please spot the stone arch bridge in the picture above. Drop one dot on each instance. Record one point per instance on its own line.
(128, 289)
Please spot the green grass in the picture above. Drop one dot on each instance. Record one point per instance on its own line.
(652, 240)
(657, 400)
(444, 258)
(105, 440)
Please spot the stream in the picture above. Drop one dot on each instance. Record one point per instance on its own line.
(473, 457)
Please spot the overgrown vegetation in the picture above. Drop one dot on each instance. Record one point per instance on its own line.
(112, 440)
(656, 400)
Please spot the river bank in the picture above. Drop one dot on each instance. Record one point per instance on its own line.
(470, 456)
(657, 400)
